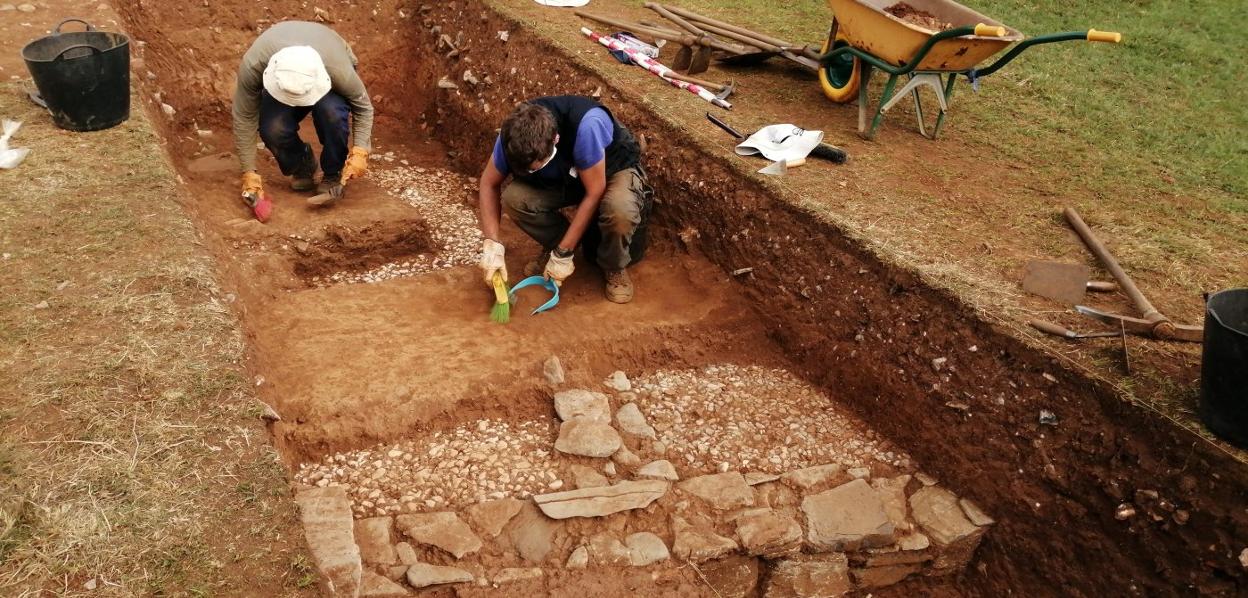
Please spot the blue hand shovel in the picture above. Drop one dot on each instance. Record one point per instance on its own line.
(543, 282)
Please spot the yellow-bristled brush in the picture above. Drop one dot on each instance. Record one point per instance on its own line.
(501, 312)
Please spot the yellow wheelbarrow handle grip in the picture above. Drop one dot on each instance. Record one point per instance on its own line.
(1112, 37)
(989, 30)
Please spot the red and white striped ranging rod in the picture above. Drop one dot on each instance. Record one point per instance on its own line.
(655, 67)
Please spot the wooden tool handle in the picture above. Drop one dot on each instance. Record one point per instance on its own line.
(1051, 328)
(1107, 259)
(667, 14)
(742, 31)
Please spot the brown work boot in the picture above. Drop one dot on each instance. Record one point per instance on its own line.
(535, 267)
(619, 286)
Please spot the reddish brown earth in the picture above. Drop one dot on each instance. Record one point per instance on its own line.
(349, 365)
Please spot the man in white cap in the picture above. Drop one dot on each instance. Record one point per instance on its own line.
(294, 69)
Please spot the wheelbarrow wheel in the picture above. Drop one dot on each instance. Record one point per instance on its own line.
(840, 78)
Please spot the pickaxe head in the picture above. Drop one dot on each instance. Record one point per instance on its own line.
(726, 89)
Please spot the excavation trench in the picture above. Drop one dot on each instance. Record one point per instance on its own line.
(367, 324)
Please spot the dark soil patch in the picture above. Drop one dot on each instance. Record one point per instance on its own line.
(348, 250)
(917, 16)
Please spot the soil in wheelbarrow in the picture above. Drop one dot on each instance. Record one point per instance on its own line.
(917, 16)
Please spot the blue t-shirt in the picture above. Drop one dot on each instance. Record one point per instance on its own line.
(593, 135)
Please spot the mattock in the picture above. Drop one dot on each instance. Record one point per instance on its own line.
(1154, 323)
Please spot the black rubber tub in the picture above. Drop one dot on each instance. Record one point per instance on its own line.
(1224, 366)
(83, 76)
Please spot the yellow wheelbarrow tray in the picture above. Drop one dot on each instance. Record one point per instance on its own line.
(864, 36)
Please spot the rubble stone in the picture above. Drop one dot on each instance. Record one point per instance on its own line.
(625, 457)
(579, 558)
(755, 478)
(372, 535)
(443, 530)
(530, 533)
(659, 470)
(606, 549)
(514, 574)
(878, 577)
(646, 548)
(552, 370)
(698, 544)
(722, 491)
(424, 575)
(955, 538)
(571, 404)
(974, 513)
(329, 530)
(733, 576)
(587, 477)
(376, 586)
(587, 438)
(491, 516)
(630, 421)
(892, 493)
(769, 533)
(619, 382)
(910, 549)
(597, 502)
(848, 517)
(814, 576)
(811, 479)
(406, 554)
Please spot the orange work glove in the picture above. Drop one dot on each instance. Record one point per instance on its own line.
(253, 186)
(357, 164)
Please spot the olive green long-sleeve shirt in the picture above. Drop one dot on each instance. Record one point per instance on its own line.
(339, 61)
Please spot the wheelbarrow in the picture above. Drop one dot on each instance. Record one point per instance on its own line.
(932, 43)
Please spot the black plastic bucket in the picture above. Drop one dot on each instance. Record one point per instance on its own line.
(83, 76)
(1224, 366)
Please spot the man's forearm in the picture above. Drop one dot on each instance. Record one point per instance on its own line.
(581, 220)
(490, 210)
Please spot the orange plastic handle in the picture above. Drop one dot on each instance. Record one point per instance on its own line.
(989, 30)
(1112, 37)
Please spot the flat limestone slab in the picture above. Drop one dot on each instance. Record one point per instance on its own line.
(601, 501)
(330, 531)
(848, 517)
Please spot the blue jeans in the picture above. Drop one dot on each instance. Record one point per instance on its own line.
(279, 129)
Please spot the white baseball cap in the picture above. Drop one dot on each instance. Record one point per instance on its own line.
(296, 76)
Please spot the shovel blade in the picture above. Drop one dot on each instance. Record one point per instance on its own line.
(1055, 280)
(684, 57)
(701, 60)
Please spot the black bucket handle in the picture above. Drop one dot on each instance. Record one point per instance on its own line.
(61, 56)
(57, 30)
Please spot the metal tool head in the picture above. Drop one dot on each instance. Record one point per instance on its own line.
(727, 89)
(701, 60)
(1058, 281)
(684, 56)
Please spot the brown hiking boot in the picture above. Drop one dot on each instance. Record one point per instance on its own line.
(619, 286)
(535, 267)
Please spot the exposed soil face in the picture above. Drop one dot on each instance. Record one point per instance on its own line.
(351, 365)
(360, 252)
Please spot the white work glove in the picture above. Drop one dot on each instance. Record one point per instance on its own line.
(492, 261)
(558, 269)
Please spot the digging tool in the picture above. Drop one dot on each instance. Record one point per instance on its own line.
(770, 46)
(693, 61)
(724, 89)
(332, 194)
(1062, 331)
(1154, 323)
(663, 33)
(826, 151)
(657, 68)
(1055, 280)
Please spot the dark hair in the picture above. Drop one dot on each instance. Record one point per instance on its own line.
(528, 136)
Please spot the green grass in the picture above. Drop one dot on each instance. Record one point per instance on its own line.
(1163, 111)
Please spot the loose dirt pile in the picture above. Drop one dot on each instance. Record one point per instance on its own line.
(918, 17)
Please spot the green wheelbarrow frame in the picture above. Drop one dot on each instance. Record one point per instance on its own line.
(941, 82)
